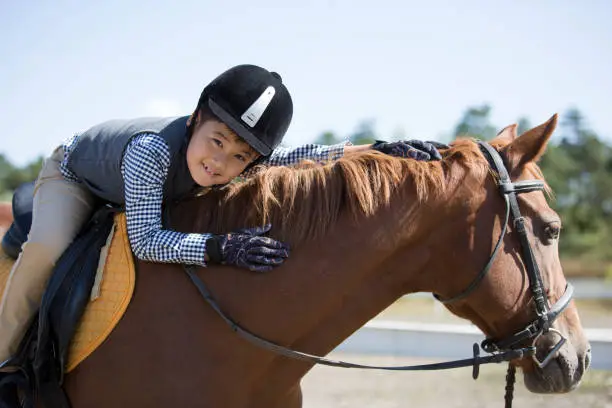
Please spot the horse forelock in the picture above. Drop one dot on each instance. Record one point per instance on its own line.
(305, 201)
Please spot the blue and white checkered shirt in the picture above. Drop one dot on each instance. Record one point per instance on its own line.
(145, 167)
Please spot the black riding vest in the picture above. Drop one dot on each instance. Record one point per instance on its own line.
(98, 153)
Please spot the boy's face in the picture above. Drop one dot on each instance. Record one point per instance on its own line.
(215, 154)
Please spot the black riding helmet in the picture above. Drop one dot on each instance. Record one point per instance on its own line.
(253, 102)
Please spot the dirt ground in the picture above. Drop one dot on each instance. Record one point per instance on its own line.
(330, 387)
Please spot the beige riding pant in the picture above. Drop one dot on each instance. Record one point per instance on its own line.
(61, 208)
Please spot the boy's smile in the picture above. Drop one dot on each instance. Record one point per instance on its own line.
(210, 171)
(216, 155)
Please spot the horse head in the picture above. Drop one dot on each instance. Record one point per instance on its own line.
(504, 257)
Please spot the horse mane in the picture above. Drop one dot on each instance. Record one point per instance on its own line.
(304, 201)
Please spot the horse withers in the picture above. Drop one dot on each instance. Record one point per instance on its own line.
(364, 231)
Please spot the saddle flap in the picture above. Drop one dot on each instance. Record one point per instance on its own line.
(69, 289)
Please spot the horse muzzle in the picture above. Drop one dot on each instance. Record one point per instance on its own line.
(558, 366)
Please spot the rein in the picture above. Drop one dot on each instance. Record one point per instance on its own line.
(500, 351)
(475, 361)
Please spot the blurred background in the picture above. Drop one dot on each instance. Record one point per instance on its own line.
(357, 71)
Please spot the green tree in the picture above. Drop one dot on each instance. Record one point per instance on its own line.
(523, 125)
(11, 177)
(476, 123)
(6, 168)
(578, 170)
(327, 138)
(364, 133)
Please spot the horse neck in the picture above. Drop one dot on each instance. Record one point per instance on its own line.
(329, 286)
(456, 232)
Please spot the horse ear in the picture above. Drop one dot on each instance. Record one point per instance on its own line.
(530, 146)
(506, 135)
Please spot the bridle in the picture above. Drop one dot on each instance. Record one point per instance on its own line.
(545, 313)
(507, 349)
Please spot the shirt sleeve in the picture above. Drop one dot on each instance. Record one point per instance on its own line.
(287, 156)
(68, 146)
(145, 168)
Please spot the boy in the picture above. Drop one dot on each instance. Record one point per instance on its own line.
(240, 119)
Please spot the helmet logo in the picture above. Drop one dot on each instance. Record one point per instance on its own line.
(252, 115)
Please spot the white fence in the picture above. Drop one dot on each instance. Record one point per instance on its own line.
(591, 288)
(584, 288)
(454, 341)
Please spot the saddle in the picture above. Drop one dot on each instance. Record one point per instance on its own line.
(47, 352)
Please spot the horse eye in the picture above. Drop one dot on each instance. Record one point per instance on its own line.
(552, 231)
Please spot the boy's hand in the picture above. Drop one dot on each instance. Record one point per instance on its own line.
(415, 149)
(247, 249)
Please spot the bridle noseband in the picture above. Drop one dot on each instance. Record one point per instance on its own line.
(546, 314)
(507, 349)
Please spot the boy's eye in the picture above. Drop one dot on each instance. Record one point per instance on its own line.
(218, 142)
(240, 157)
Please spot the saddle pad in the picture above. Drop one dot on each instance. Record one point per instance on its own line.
(113, 294)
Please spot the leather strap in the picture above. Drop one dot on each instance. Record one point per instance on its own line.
(474, 362)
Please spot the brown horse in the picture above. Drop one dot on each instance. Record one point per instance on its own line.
(6, 217)
(364, 231)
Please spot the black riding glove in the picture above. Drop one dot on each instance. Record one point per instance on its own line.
(247, 249)
(415, 149)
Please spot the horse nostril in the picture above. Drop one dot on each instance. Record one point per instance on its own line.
(587, 359)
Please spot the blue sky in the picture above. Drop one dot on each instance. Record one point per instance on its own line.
(412, 66)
